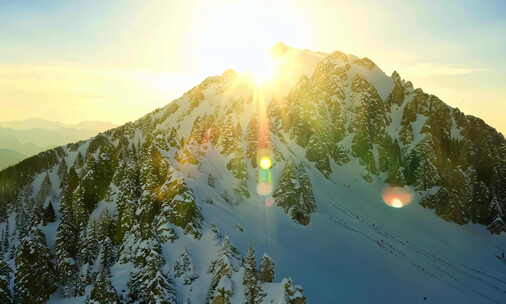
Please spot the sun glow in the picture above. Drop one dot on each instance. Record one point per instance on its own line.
(262, 69)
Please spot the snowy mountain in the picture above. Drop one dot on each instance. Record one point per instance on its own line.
(236, 194)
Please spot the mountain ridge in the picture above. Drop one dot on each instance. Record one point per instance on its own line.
(184, 180)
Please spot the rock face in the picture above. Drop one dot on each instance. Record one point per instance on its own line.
(143, 212)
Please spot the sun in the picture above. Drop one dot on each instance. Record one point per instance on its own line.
(262, 69)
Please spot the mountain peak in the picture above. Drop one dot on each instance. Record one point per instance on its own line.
(185, 193)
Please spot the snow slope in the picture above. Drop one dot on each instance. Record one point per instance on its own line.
(354, 249)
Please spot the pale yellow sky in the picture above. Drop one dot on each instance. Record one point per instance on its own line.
(101, 61)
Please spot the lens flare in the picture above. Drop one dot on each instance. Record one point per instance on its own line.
(269, 202)
(264, 188)
(397, 203)
(397, 197)
(265, 163)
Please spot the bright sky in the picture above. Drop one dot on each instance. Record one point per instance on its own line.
(117, 60)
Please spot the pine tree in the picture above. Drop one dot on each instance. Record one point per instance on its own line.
(221, 270)
(294, 192)
(66, 249)
(198, 132)
(252, 138)
(5, 274)
(79, 160)
(80, 213)
(228, 140)
(498, 223)
(35, 276)
(427, 173)
(106, 254)
(45, 189)
(49, 215)
(481, 201)
(319, 150)
(148, 284)
(253, 293)
(5, 240)
(266, 272)
(180, 208)
(37, 213)
(211, 181)
(62, 169)
(294, 294)
(223, 292)
(103, 292)
(88, 252)
(307, 196)
(183, 268)
(127, 178)
(286, 193)
(22, 219)
(237, 166)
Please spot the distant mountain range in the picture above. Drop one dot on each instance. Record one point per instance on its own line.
(9, 157)
(28, 137)
(38, 123)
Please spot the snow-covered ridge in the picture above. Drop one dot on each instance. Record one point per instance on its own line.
(165, 208)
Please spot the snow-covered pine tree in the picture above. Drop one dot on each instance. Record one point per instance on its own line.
(253, 293)
(294, 192)
(80, 214)
(37, 213)
(223, 292)
(319, 149)
(198, 132)
(106, 254)
(180, 208)
(252, 141)
(79, 161)
(183, 268)
(5, 241)
(35, 277)
(308, 202)
(221, 270)
(5, 275)
(148, 284)
(22, 219)
(62, 170)
(129, 191)
(211, 180)
(266, 273)
(66, 249)
(49, 215)
(498, 223)
(427, 175)
(45, 189)
(294, 294)
(286, 192)
(228, 137)
(481, 199)
(103, 292)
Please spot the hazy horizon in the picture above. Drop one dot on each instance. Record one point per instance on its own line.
(70, 62)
